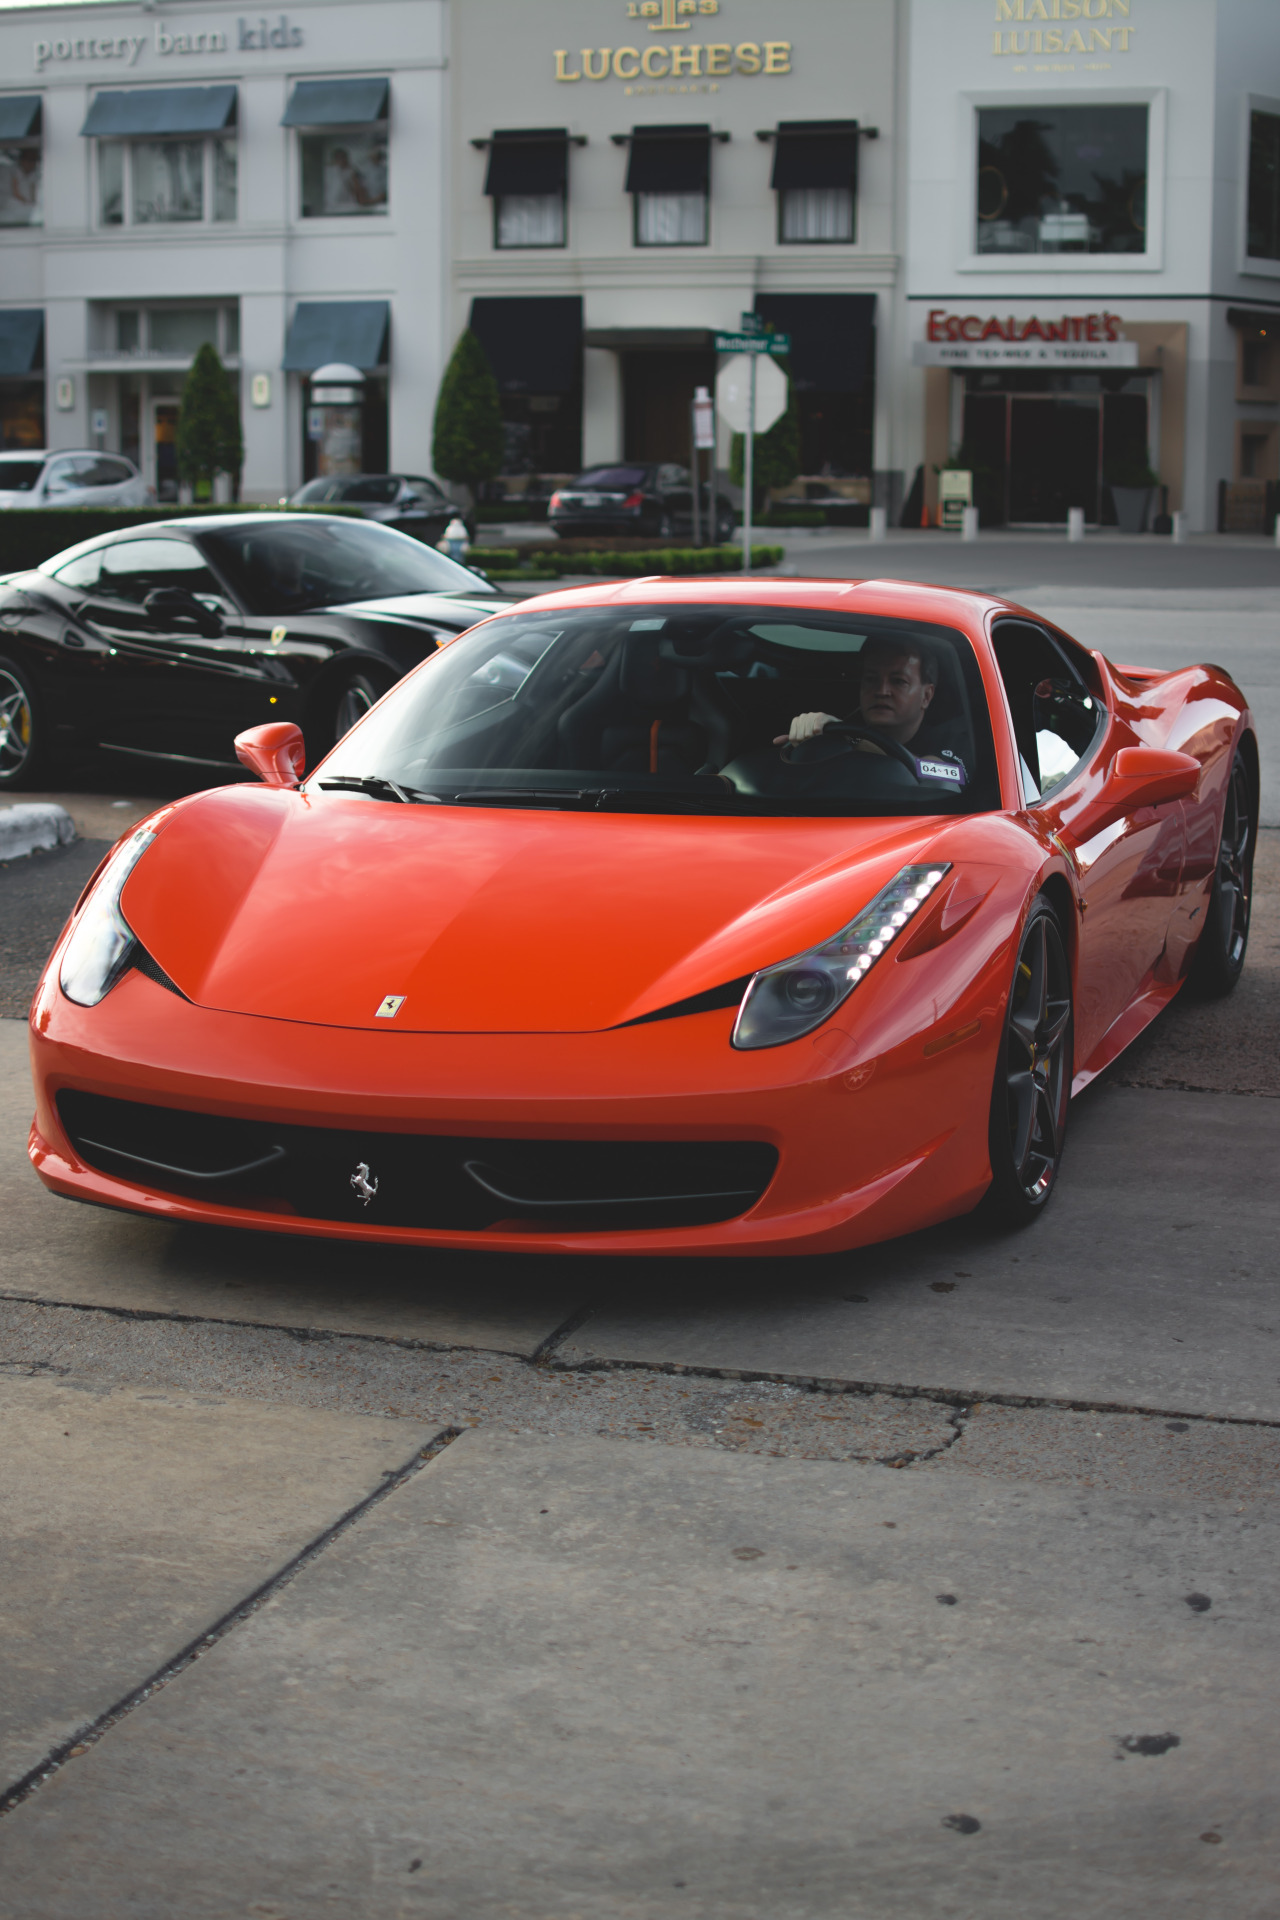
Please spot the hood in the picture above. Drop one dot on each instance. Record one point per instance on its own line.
(428, 606)
(316, 908)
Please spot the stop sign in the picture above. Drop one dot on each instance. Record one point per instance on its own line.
(732, 387)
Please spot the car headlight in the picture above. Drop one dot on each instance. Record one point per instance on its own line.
(789, 1000)
(102, 946)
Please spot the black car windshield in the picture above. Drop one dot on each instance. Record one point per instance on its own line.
(611, 479)
(288, 566)
(19, 476)
(679, 708)
(317, 491)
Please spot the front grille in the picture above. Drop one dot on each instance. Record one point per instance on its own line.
(419, 1180)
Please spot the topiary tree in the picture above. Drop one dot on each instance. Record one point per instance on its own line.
(467, 441)
(776, 458)
(209, 438)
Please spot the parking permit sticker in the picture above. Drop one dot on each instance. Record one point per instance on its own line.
(949, 770)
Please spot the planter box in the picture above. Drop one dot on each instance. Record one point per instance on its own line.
(1132, 505)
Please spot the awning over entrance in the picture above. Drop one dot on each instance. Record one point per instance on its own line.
(669, 160)
(832, 338)
(533, 345)
(336, 103)
(650, 339)
(320, 331)
(21, 340)
(157, 110)
(19, 115)
(533, 161)
(815, 153)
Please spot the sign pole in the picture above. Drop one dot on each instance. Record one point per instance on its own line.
(748, 467)
(697, 477)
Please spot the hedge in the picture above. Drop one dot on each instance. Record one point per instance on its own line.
(665, 560)
(29, 535)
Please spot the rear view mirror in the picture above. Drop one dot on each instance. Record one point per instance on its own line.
(275, 752)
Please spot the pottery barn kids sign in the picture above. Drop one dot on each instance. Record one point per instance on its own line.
(256, 35)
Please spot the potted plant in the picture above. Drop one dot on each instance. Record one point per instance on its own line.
(1133, 486)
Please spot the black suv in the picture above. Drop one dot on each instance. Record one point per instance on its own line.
(655, 501)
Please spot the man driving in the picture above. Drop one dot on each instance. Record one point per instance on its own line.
(897, 685)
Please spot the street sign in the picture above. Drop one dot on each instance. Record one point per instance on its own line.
(704, 421)
(751, 322)
(774, 343)
(733, 393)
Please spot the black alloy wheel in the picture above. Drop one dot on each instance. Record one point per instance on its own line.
(21, 743)
(665, 527)
(1033, 1076)
(357, 693)
(1224, 939)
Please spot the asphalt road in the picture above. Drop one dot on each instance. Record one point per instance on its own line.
(935, 1580)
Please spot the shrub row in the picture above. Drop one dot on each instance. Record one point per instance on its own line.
(29, 535)
(667, 560)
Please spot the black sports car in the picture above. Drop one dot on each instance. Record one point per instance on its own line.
(165, 641)
(656, 501)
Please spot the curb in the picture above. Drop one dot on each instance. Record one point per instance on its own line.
(23, 829)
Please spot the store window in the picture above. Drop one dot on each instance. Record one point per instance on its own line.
(343, 149)
(1062, 180)
(172, 332)
(20, 160)
(815, 171)
(1264, 186)
(527, 179)
(669, 180)
(165, 155)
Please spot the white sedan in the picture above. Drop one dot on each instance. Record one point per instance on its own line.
(77, 478)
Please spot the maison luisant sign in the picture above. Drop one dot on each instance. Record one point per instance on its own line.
(1075, 340)
(252, 35)
(683, 64)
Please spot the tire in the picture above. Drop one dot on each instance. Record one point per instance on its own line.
(664, 529)
(1224, 939)
(1028, 1124)
(23, 754)
(346, 699)
(725, 530)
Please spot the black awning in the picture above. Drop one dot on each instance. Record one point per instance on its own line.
(832, 338)
(1256, 320)
(669, 160)
(161, 110)
(325, 330)
(535, 160)
(336, 103)
(815, 153)
(534, 345)
(21, 340)
(19, 115)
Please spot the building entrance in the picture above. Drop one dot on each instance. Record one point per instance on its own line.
(164, 442)
(658, 391)
(1039, 444)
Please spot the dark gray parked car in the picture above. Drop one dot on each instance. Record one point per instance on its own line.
(408, 501)
(653, 500)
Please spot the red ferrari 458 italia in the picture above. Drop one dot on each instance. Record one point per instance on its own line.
(744, 917)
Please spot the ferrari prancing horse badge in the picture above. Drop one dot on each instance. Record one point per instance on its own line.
(390, 1007)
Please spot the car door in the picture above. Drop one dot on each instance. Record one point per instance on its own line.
(1130, 872)
(65, 482)
(176, 678)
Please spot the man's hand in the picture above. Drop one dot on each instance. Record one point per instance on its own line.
(806, 726)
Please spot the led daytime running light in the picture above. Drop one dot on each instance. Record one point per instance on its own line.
(789, 1000)
(102, 943)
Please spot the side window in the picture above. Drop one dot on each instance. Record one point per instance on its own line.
(1055, 717)
(63, 475)
(131, 569)
(82, 572)
(110, 473)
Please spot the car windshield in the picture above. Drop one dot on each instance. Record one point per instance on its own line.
(19, 476)
(316, 491)
(380, 488)
(289, 566)
(611, 479)
(680, 708)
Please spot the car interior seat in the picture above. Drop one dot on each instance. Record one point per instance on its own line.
(637, 717)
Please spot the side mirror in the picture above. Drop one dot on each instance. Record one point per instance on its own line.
(166, 606)
(1138, 777)
(275, 752)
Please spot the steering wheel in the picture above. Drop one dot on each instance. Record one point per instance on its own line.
(857, 730)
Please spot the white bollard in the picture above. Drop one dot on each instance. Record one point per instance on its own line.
(1179, 532)
(1075, 523)
(1278, 529)
(969, 524)
(878, 524)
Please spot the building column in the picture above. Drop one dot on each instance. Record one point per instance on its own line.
(601, 406)
(267, 471)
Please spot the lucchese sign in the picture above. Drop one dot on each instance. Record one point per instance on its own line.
(1075, 340)
(258, 35)
(675, 59)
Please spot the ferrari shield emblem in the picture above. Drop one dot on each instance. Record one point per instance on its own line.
(390, 1007)
(364, 1183)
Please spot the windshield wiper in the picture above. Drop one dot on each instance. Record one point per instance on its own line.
(379, 787)
(585, 797)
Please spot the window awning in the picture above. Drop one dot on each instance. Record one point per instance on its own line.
(815, 153)
(336, 103)
(325, 330)
(533, 345)
(19, 115)
(161, 110)
(536, 161)
(832, 338)
(21, 340)
(669, 160)
(1258, 321)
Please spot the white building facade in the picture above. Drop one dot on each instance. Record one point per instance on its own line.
(1093, 239)
(273, 183)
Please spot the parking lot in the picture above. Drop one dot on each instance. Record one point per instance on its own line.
(934, 1579)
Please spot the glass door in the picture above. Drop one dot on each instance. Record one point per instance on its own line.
(164, 442)
(1054, 457)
